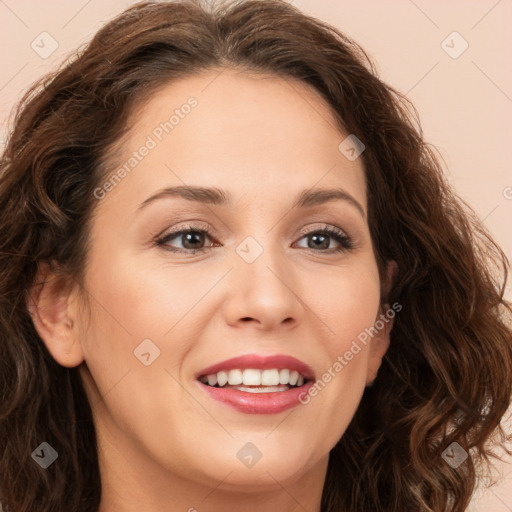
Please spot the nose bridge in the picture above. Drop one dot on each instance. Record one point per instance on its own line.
(264, 282)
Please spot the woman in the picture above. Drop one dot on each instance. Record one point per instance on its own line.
(233, 277)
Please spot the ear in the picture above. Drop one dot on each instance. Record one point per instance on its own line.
(383, 324)
(51, 304)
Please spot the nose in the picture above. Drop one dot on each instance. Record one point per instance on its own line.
(265, 293)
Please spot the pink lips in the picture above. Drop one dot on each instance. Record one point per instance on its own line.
(259, 403)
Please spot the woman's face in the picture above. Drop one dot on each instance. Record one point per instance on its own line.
(266, 284)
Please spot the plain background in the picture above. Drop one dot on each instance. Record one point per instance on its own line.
(463, 95)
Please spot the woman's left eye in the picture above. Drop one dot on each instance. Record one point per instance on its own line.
(193, 239)
(322, 238)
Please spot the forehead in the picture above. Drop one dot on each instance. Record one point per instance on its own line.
(251, 133)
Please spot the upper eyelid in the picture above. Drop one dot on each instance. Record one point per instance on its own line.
(325, 226)
(188, 227)
(211, 231)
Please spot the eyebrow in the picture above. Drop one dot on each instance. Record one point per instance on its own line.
(216, 196)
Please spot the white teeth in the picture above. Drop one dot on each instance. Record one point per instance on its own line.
(235, 377)
(252, 377)
(255, 377)
(222, 378)
(284, 376)
(270, 377)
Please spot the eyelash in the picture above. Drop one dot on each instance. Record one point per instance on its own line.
(340, 236)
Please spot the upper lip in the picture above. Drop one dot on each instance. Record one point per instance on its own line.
(259, 362)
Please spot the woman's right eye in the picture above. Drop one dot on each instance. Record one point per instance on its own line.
(190, 237)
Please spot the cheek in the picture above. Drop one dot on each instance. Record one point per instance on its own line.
(357, 310)
(347, 301)
(146, 296)
(123, 314)
(131, 311)
(133, 302)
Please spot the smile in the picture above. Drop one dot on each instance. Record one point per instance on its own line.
(257, 384)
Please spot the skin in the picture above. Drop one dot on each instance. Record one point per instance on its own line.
(163, 443)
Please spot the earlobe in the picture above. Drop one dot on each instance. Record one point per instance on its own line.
(53, 315)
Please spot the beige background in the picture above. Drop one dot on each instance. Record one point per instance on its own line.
(464, 97)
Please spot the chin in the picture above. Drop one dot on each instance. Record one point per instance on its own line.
(250, 467)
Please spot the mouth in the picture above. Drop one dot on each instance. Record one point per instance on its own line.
(257, 385)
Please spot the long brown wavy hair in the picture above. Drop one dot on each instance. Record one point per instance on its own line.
(447, 375)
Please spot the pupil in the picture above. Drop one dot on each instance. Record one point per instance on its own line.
(324, 244)
(189, 237)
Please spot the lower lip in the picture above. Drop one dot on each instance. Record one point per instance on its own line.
(258, 403)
